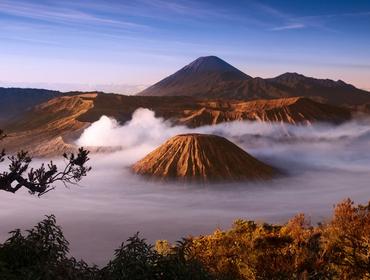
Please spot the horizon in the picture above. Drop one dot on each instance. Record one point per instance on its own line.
(105, 45)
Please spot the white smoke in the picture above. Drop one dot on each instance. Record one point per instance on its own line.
(143, 128)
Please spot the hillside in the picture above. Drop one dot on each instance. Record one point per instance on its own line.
(15, 101)
(295, 110)
(195, 112)
(204, 158)
(49, 127)
(336, 92)
(211, 77)
(46, 128)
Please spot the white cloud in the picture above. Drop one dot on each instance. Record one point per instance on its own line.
(289, 27)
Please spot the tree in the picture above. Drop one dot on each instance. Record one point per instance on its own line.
(346, 241)
(135, 260)
(41, 253)
(41, 180)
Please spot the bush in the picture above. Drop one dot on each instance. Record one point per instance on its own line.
(338, 249)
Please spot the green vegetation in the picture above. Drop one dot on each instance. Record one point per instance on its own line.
(338, 249)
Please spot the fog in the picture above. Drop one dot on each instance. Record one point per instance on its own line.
(323, 165)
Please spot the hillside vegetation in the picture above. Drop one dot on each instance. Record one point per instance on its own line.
(337, 249)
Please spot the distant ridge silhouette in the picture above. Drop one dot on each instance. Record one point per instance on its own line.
(212, 77)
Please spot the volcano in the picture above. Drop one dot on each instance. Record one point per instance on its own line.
(211, 77)
(206, 76)
(202, 158)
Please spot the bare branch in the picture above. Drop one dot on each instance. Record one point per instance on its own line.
(41, 180)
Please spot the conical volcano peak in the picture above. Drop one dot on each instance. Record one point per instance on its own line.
(202, 157)
(205, 76)
(209, 64)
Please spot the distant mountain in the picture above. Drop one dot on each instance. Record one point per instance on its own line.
(336, 92)
(204, 158)
(206, 76)
(15, 101)
(211, 77)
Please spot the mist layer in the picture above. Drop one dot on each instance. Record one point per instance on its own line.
(323, 165)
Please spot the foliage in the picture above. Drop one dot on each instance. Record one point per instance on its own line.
(43, 254)
(40, 254)
(39, 181)
(338, 249)
(134, 260)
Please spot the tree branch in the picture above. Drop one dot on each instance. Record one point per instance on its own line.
(40, 181)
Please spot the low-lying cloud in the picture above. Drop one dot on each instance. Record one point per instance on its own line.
(324, 164)
(317, 144)
(144, 127)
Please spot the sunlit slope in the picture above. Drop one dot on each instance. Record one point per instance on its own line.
(195, 112)
(51, 126)
(202, 157)
(46, 129)
(296, 110)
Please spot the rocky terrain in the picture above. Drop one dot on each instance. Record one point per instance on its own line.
(295, 110)
(47, 129)
(51, 127)
(201, 157)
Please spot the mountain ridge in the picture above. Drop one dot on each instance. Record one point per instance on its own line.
(209, 77)
(61, 120)
(14, 101)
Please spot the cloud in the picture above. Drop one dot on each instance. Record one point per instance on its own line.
(290, 21)
(58, 14)
(330, 16)
(289, 27)
(143, 128)
(148, 131)
(324, 164)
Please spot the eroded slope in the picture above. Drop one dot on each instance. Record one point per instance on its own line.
(201, 157)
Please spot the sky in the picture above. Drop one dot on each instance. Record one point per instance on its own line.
(123, 46)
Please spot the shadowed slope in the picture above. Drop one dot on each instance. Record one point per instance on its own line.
(335, 92)
(211, 77)
(15, 101)
(201, 157)
(206, 76)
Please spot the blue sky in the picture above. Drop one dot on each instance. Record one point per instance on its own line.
(57, 43)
